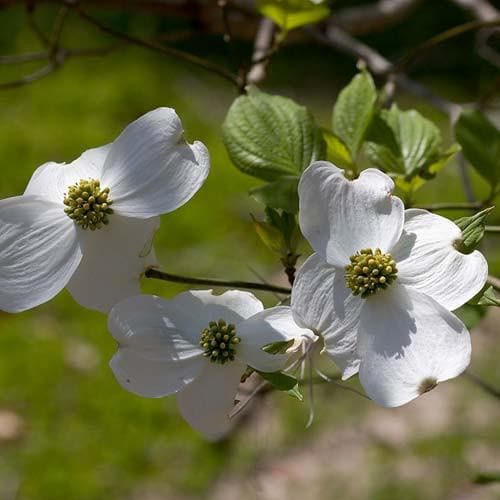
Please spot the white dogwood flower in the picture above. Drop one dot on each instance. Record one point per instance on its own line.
(89, 225)
(381, 284)
(197, 345)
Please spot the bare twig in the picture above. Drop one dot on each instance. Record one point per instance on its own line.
(494, 282)
(480, 9)
(375, 16)
(379, 65)
(163, 49)
(24, 58)
(263, 49)
(433, 207)
(492, 229)
(491, 390)
(433, 42)
(32, 77)
(30, 12)
(189, 280)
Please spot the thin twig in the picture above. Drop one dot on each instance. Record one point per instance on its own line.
(262, 387)
(492, 229)
(30, 11)
(493, 391)
(340, 40)
(264, 47)
(24, 58)
(431, 43)
(465, 205)
(188, 280)
(494, 282)
(163, 49)
(32, 77)
(373, 16)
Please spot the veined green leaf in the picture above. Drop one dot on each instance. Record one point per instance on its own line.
(404, 142)
(337, 152)
(489, 298)
(429, 172)
(480, 141)
(281, 194)
(354, 110)
(470, 315)
(270, 136)
(283, 382)
(290, 14)
(472, 230)
(278, 347)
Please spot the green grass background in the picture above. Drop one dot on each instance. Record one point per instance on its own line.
(84, 437)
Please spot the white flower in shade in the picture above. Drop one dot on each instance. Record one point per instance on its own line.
(89, 225)
(382, 283)
(197, 345)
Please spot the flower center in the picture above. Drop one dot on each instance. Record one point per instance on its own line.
(88, 205)
(370, 271)
(219, 341)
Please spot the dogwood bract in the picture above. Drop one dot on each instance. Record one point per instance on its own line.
(382, 283)
(197, 345)
(89, 225)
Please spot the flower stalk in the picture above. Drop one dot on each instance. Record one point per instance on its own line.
(191, 280)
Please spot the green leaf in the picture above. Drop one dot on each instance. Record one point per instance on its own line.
(487, 478)
(270, 136)
(480, 141)
(290, 14)
(404, 141)
(283, 382)
(271, 236)
(470, 315)
(282, 194)
(488, 298)
(354, 110)
(280, 232)
(472, 230)
(278, 347)
(429, 172)
(336, 151)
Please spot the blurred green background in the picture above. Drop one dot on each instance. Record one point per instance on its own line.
(68, 431)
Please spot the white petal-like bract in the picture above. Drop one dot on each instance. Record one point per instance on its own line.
(429, 262)
(408, 343)
(340, 217)
(322, 302)
(151, 169)
(51, 180)
(148, 170)
(39, 252)
(162, 349)
(267, 327)
(207, 402)
(114, 258)
(157, 355)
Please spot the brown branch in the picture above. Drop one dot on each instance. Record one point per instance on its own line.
(372, 17)
(32, 77)
(189, 280)
(340, 40)
(263, 48)
(433, 42)
(163, 49)
(24, 58)
(480, 9)
(491, 390)
(494, 282)
(466, 205)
